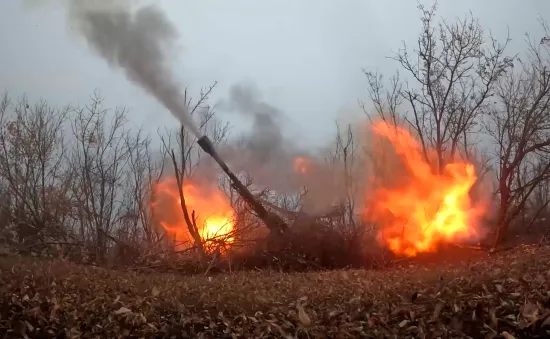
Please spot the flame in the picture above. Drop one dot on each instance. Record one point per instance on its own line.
(213, 212)
(427, 208)
(301, 165)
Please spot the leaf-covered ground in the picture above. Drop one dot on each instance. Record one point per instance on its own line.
(503, 295)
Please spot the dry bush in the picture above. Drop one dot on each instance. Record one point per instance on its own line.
(309, 246)
(75, 181)
(33, 172)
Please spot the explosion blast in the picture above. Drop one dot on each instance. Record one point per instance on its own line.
(422, 208)
(214, 215)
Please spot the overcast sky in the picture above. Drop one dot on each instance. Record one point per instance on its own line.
(305, 56)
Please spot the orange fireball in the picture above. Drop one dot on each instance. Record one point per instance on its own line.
(301, 165)
(214, 215)
(425, 208)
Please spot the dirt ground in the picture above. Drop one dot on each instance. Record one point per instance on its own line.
(473, 294)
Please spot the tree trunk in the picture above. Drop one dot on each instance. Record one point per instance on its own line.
(502, 221)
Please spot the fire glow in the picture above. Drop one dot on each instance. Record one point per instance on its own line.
(213, 213)
(301, 165)
(426, 208)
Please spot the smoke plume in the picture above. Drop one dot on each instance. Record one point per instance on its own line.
(263, 151)
(275, 161)
(137, 40)
(265, 141)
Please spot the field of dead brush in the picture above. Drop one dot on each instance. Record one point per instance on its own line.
(503, 295)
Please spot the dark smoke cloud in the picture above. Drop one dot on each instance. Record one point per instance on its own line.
(265, 140)
(136, 40)
(262, 152)
(269, 157)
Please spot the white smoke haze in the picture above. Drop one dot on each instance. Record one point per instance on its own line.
(137, 39)
(270, 158)
(262, 152)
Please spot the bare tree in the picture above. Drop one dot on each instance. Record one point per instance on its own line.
(145, 169)
(519, 125)
(345, 157)
(99, 159)
(135, 232)
(32, 154)
(188, 155)
(537, 207)
(449, 77)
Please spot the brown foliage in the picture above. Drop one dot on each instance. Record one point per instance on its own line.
(505, 294)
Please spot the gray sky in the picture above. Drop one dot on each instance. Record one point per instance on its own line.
(305, 56)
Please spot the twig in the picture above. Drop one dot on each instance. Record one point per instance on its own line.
(477, 248)
(29, 247)
(214, 259)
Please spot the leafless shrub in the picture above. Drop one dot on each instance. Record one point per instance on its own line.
(450, 76)
(32, 169)
(519, 125)
(100, 160)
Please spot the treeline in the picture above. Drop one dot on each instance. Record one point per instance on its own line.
(78, 182)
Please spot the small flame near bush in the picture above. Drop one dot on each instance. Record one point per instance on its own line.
(213, 212)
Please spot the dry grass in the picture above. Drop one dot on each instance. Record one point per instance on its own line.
(503, 295)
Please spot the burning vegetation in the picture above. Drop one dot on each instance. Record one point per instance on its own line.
(415, 205)
(211, 212)
(421, 207)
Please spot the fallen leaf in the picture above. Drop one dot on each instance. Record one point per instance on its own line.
(123, 310)
(302, 316)
(493, 317)
(345, 275)
(278, 328)
(437, 310)
(530, 312)
(261, 299)
(155, 291)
